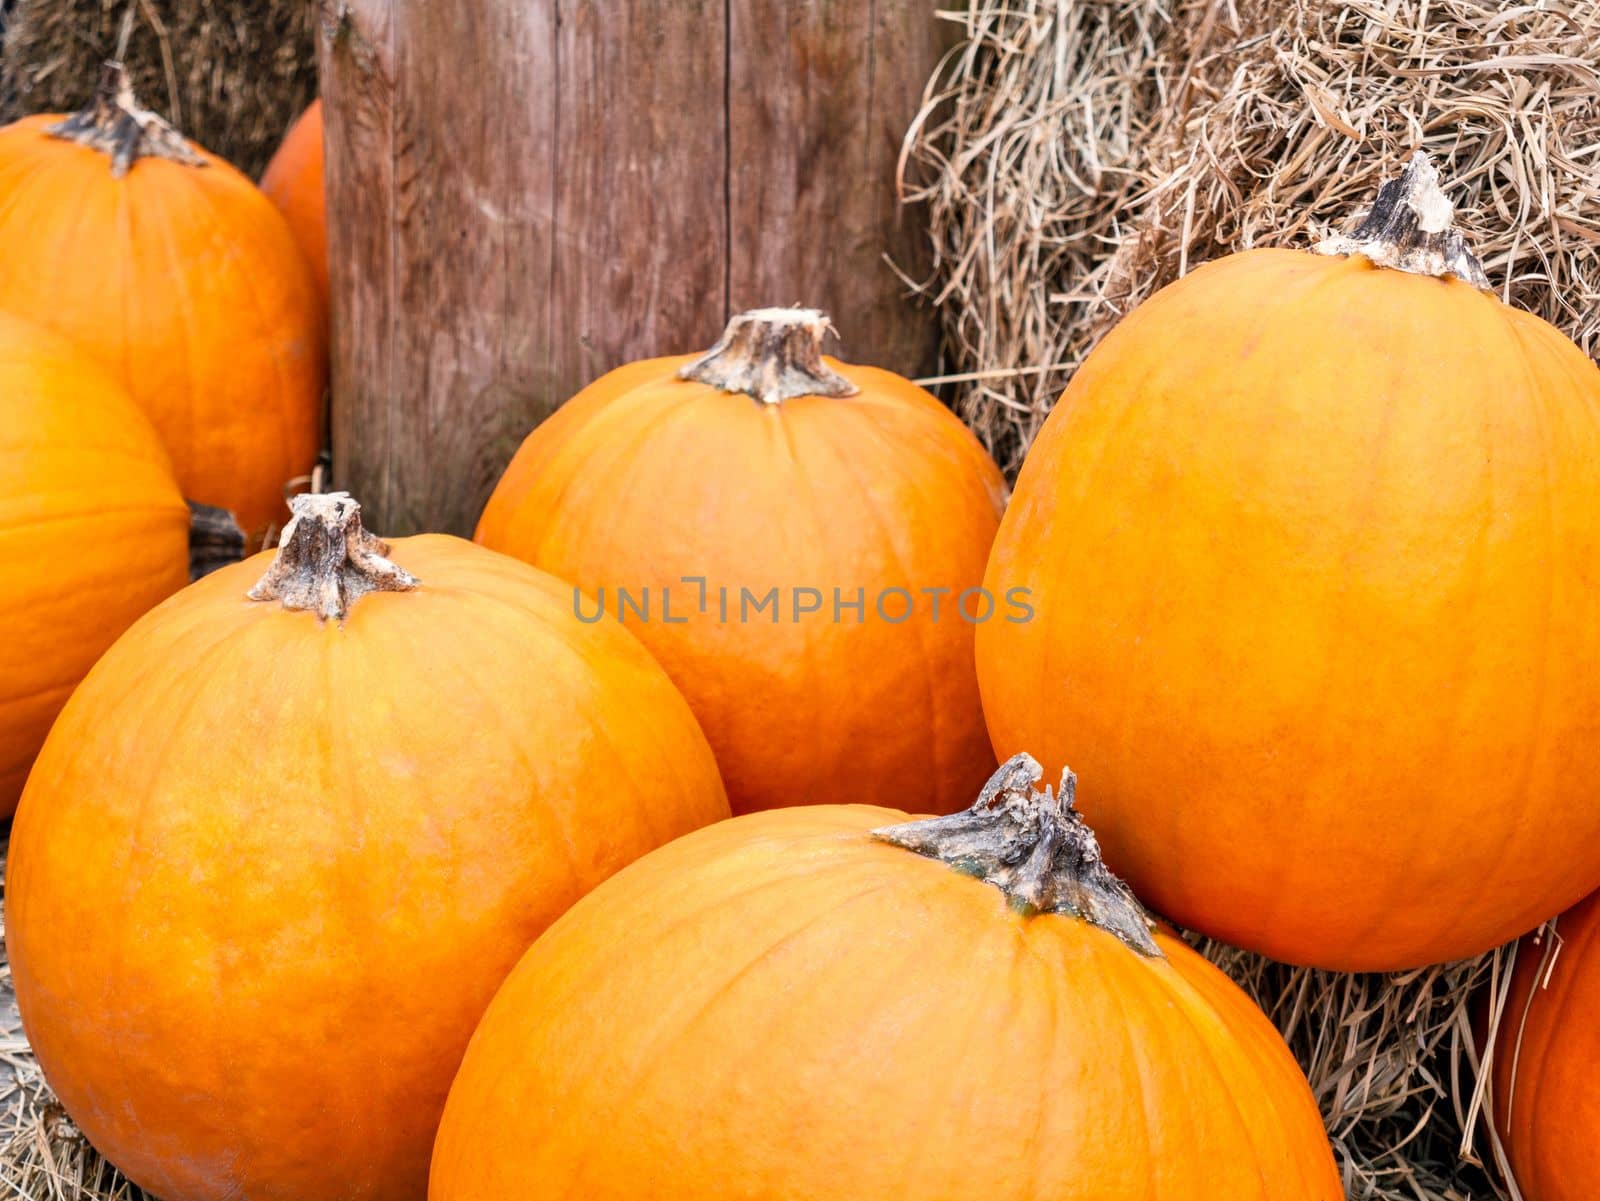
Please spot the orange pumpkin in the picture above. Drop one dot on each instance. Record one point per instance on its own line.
(269, 868)
(93, 531)
(1311, 544)
(786, 517)
(293, 181)
(171, 269)
(811, 1003)
(1546, 1105)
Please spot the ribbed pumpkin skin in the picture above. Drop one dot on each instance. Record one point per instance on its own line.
(293, 181)
(187, 285)
(1547, 1107)
(1312, 547)
(779, 1006)
(296, 860)
(93, 531)
(642, 479)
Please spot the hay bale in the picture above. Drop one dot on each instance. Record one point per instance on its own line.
(1076, 155)
(232, 74)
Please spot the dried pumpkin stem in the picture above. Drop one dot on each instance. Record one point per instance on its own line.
(1411, 228)
(326, 561)
(114, 123)
(1035, 847)
(215, 539)
(773, 355)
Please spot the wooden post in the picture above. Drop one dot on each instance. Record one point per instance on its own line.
(524, 194)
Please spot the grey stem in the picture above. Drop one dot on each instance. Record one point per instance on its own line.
(1033, 846)
(1410, 228)
(114, 123)
(215, 539)
(772, 355)
(326, 561)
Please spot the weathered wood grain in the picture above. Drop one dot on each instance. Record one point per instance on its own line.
(820, 95)
(525, 195)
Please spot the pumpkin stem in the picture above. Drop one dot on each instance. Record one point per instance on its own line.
(1410, 228)
(773, 355)
(326, 561)
(114, 123)
(1032, 845)
(215, 539)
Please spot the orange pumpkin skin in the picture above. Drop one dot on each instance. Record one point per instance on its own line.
(186, 284)
(1311, 548)
(93, 531)
(293, 181)
(779, 1006)
(1547, 1108)
(643, 479)
(297, 858)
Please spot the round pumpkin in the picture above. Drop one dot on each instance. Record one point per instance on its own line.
(799, 541)
(293, 181)
(1546, 1105)
(835, 1002)
(93, 531)
(1310, 539)
(279, 851)
(171, 269)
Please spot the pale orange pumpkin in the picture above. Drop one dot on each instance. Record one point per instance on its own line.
(178, 275)
(93, 531)
(272, 863)
(788, 517)
(810, 1003)
(1547, 1056)
(293, 181)
(1311, 542)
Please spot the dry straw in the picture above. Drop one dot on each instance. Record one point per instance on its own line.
(1076, 155)
(231, 74)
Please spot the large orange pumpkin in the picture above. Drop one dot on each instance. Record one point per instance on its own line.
(787, 517)
(93, 531)
(806, 1004)
(1311, 543)
(293, 181)
(173, 270)
(269, 869)
(1547, 1057)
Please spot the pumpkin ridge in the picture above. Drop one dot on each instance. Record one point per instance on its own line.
(1538, 415)
(113, 123)
(771, 355)
(1147, 1076)
(88, 514)
(493, 711)
(1035, 847)
(672, 1030)
(116, 974)
(888, 528)
(1206, 1051)
(21, 699)
(274, 347)
(655, 415)
(12, 184)
(179, 427)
